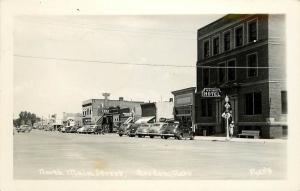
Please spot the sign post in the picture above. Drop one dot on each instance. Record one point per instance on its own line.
(227, 115)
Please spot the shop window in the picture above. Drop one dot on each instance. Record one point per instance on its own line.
(252, 65)
(206, 107)
(221, 73)
(252, 31)
(205, 75)
(216, 45)
(227, 41)
(253, 103)
(283, 102)
(231, 70)
(239, 36)
(206, 48)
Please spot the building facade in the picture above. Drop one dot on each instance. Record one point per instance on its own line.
(244, 57)
(158, 110)
(92, 109)
(184, 106)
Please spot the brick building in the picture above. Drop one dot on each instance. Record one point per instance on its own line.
(244, 57)
(92, 109)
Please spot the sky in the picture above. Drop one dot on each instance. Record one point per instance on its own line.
(60, 61)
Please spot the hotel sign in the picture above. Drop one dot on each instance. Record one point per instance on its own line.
(211, 92)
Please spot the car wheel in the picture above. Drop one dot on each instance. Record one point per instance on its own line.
(166, 137)
(192, 137)
(180, 137)
(140, 136)
(151, 137)
(120, 135)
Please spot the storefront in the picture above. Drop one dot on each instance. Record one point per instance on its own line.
(184, 106)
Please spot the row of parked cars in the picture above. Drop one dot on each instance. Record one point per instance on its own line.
(163, 130)
(86, 129)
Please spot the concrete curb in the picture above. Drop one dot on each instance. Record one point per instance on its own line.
(242, 140)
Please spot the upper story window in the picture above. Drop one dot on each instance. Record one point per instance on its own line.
(252, 31)
(221, 73)
(206, 48)
(231, 70)
(238, 32)
(284, 102)
(205, 75)
(252, 65)
(253, 103)
(216, 45)
(227, 41)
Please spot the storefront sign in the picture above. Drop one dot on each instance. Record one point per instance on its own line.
(211, 92)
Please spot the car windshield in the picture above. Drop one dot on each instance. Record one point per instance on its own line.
(172, 125)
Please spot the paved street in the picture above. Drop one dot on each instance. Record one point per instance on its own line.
(54, 155)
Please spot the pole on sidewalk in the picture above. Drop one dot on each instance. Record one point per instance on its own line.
(227, 115)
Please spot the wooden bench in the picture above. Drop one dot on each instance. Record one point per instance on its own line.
(249, 133)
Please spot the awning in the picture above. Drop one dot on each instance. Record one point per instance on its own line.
(128, 120)
(144, 119)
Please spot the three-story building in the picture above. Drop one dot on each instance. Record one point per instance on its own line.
(243, 56)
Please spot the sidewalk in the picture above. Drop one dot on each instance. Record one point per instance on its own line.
(244, 140)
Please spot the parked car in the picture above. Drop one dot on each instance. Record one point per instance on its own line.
(24, 128)
(132, 130)
(143, 129)
(83, 129)
(95, 129)
(74, 129)
(124, 128)
(155, 129)
(178, 131)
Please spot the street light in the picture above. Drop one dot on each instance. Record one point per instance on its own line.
(227, 115)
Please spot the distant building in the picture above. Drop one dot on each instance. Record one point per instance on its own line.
(244, 57)
(157, 110)
(75, 117)
(93, 109)
(184, 106)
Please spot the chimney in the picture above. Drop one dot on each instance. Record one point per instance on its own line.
(121, 98)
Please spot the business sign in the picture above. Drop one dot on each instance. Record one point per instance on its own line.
(211, 92)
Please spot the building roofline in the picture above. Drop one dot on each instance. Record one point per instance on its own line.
(183, 90)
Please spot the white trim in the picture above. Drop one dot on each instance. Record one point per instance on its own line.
(206, 40)
(256, 19)
(223, 40)
(248, 64)
(243, 33)
(214, 37)
(232, 59)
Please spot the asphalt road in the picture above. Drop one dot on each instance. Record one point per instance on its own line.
(55, 155)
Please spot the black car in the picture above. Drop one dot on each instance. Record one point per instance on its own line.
(132, 130)
(178, 131)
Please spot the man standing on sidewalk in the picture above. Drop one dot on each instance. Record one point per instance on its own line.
(231, 126)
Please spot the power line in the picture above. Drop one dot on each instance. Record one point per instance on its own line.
(141, 64)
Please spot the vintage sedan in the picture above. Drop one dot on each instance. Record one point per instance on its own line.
(155, 129)
(143, 129)
(178, 131)
(83, 129)
(24, 128)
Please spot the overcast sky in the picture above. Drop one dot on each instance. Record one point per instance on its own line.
(60, 61)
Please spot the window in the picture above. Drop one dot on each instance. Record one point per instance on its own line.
(231, 70)
(206, 49)
(216, 45)
(205, 75)
(253, 103)
(221, 73)
(227, 41)
(252, 31)
(283, 102)
(239, 36)
(252, 65)
(206, 107)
